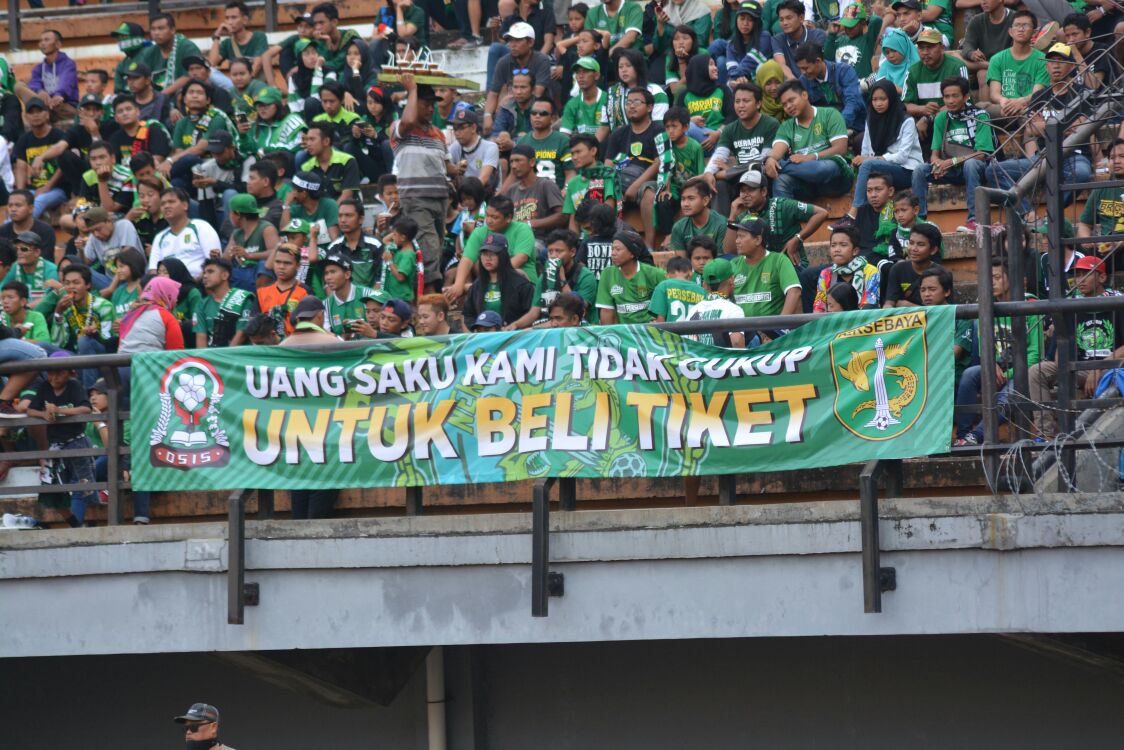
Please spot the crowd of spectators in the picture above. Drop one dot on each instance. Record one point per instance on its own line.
(627, 163)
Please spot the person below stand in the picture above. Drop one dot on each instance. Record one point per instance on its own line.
(789, 222)
(201, 727)
(345, 304)
(568, 310)
(808, 152)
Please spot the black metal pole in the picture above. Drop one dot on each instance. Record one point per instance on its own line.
(868, 519)
(14, 26)
(1063, 324)
(270, 15)
(727, 489)
(414, 501)
(1016, 277)
(153, 7)
(568, 494)
(540, 548)
(236, 557)
(115, 511)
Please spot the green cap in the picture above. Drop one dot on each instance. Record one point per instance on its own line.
(268, 95)
(588, 63)
(1067, 228)
(853, 15)
(244, 203)
(375, 295)
(716, 271)
(296, 226)
(301, 45)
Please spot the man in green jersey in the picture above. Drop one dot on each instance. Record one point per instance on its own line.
(221, 318)
(765, 283)
(922, 96)
(746, 140)
(789, 221)
(698, 218)
(625, 289)
(1017, 72)
(563, 274)
(675, 297)
(855, 41)
(499, 218)
(808, 151)
(552, 149)
(345, 303)
(233, 40)
(582, 113)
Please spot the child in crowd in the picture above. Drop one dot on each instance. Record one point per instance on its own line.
(701, 249)
(935, 288)
(848, 267)
(300, 234)
(402, 265)
(675, 297)
(907, 215)
(15, 298)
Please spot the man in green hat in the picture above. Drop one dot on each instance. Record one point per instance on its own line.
(582, 113)
(250, 242)
(718, 275)
(131, 40)
(854, 39)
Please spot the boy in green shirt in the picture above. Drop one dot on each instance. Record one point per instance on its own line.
(582, 113)
(856, 42)
(688, 154)
(594, 181)
(625, 289)
(33, 326)
(83, 320)
(619, 22)
(1017, 72)
(676, 296)
(400, 261)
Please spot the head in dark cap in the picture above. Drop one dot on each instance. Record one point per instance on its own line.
(35, 104)
(489, 320)
(201, 724)
(629, 246)
(91, 100)
(751, 235)
(309, 310)
(308, 182)
(219, 141)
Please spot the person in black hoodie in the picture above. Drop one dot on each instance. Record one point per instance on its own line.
(498, 286)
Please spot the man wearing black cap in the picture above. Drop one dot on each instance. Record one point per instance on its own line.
(538, 202)
(304, 201)
(423, 163)
(131, 39)
(40, 136)
(346, 303)
(201, 728)
(221, 318)
(218, 178)
(765, 283)
(308, 325)
(153, 104)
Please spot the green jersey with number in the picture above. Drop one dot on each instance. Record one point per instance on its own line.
(674, 299)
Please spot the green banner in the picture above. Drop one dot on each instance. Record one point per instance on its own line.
(621, 401)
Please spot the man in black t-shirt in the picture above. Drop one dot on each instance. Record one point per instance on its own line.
(20, 220)
(904, 287)
(642, 155)
(46, 179)
(135, 135)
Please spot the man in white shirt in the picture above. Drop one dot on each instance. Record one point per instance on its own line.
(718, 275)
(189, 240)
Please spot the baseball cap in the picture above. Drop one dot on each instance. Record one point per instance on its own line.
(912, 4)
(853, 15)
(219, 141)
(34, 103)
(754, 226)
(588, 63)
(718, 270)
(400, 307)
(308, 308)
(199, 712)
(375, 295)
(930, 35)
(138, 70)
(303, 18)
(465, 116)
(749, 8)
(1060, 51)
(520, 30)
(301, 45)
(244, 203)
(1089, 263)
(195, 60)
(99, 386)
(268, 95)
(295, 226)
(495, 242)
(128, 29)
(96, 215)
(28, 238)
(90, 100)
(523, 149)
(337, 259)
(754, 178)
(309, 181)
(488, 318)
(1067, 228)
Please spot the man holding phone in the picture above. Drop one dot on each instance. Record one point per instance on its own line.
(345, 303)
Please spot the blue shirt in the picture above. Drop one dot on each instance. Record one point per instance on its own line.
(848, 97)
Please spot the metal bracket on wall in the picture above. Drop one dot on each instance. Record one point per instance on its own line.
(239, 594)
(544, 583)
(876, 579)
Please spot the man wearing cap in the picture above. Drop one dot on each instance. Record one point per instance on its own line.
(46, 182)
(619, 22)
(1059, 101)
(345, 302)
(471, 154)
(1017, 72)
(218, 178)
(718, 276)
(233, 40)
(1097, 335)
(338, 171)
(582, 113)
(304, 201)
(131, 39)
(201, 727)
(423, 162)
(486, 322)
(624, 291)
(538, 201)
(765, 283)
(31, 268)
(922, 96)
(189, 240)
(855, 40)
(307, 321)
(153, 104)
(166, 54)
(54, 81)
(910, 15)
(106, 233)
(789, 222)
(520, 39)
(220, 319)
(250, 242)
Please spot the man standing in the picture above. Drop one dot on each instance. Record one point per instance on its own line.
(698, 218)
(765, 283)
(364, 250)
(423, 162)
(190, 241)
(39, 137)
(582, 113)
(201, 725)
(239, 41)
(538, 201)
(338, 171)
(747, 139)
(55, 80)
(220, 320)
(520, 39)
(552, 149)
(807, 157)
(641, 153)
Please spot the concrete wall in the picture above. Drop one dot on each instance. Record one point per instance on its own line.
(963, 692)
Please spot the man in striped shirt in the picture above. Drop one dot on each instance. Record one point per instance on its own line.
(423, 162)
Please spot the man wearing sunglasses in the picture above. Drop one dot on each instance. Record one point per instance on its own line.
(201, 728)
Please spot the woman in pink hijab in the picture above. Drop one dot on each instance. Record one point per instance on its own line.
(150, 326)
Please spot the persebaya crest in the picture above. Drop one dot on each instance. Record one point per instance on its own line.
(880, 372)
